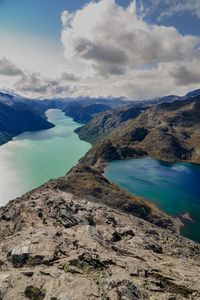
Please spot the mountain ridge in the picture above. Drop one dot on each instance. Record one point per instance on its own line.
(71, 239)
(167, 131)
(16, 119)
(81, 109)
(83, 237)
(29, 115)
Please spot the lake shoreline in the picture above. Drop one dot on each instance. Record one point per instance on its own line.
(102, 165)
(174, 168)
(34, 157)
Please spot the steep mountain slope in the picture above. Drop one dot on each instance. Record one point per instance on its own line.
(18, 118)
(84, 114)
(81, 109)
(168, 131)
(194, 93)
(84, 109)
(18, 114)
(105, 122)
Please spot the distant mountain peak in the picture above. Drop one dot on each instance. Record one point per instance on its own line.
(193, 93)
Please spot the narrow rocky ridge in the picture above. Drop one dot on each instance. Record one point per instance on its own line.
(57, 246)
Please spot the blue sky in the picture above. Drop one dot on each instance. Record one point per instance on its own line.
(186, 22)
(38, 17)
(42, 17)
(69, 56)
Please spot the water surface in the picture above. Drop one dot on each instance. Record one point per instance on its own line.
(33, 158)
(175, 188)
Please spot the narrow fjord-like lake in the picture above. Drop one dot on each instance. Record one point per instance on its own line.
(175, 188)
(33, 158)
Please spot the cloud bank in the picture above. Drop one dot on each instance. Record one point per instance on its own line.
(105, 41)
(110, 40)
(112, 51)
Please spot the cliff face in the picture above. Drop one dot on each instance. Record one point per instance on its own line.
(169, 131)
(56, 245)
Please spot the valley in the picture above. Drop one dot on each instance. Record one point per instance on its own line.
(100, 150)
(83, 229)
(18, 114)
(33, 158)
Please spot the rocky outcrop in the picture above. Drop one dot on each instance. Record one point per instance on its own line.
(55, 245)
(84, 181)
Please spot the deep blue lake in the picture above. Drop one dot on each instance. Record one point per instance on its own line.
(175, 188)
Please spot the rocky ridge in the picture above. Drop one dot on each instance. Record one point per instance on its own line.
(57, 246)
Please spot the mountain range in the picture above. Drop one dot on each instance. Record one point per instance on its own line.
(83, 237)
(18, 114)
(168, 131)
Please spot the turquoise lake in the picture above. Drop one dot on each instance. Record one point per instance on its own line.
(175, 188)
(33, 158)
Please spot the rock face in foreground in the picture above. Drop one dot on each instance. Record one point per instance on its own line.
(58, 246)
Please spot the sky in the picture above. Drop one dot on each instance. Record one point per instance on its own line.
(105, 48)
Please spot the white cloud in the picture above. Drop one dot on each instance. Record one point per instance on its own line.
(118, 53)
(69, 76)
(167, 8)
(180, 6)
(109, 50)
(108, 39)
(186, 74)
(7, 68)
(32, 54)
(37, 85)
(33, 83)
(41, 64)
